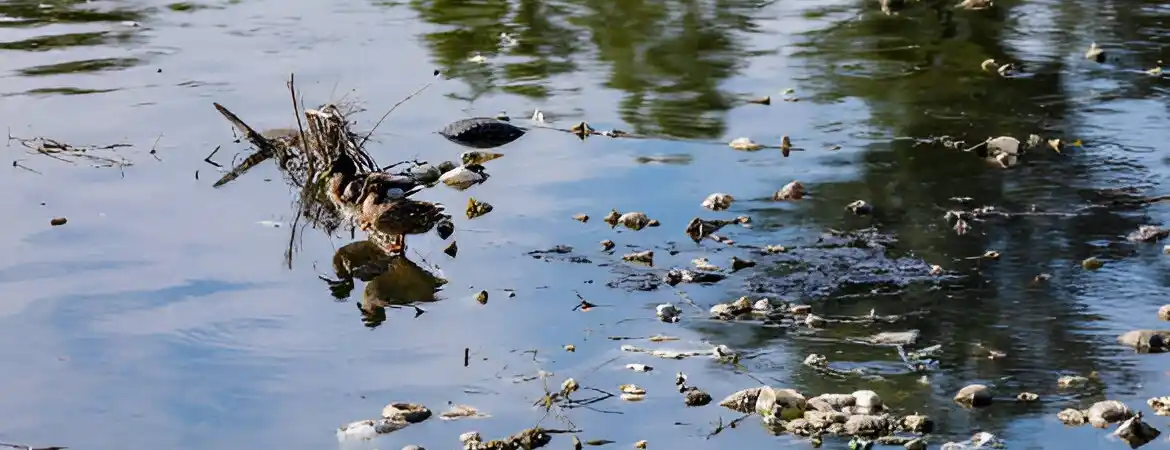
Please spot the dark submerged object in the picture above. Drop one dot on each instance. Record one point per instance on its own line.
(481, 132)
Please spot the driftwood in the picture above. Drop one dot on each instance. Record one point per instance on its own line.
(303, 156)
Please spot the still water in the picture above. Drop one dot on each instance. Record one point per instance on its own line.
(163, 314)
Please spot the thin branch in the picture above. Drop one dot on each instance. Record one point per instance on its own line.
(392, 108)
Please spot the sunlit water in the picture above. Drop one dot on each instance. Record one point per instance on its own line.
(162, 315)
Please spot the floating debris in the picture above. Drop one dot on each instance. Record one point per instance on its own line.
(462, 412)
(1148, 233)
(508, 41)
(645, 257)
(1106, 412)
(989, 65)
(612, 217)
(478, 157)
(368, 429)
(481, 132)
(975, 395)
(675, 276)
(694, 396)
(631, 389)
(583, 218)
(633, 220)
(1164, 312)
(704, 264)
(1071, 381)
(463, 177)
(445, 229)
(476, 208)
(975, 5)
(531, 438)
(406, 412)
(860, 208)
(981, 439)
(452, 249)
(641, 445)
(1160, 405)
(569, 386)
(668, 312)
(718, 201)
(728, 311)
(570, 348)
(1092, 263)
(1156, 71)
(1136, 432)
(740, 264)
(785, 145)
(582, 130)
(58, 221)
(639, 367)
(790, 191)
(1095, 53)
(698, 228)
(1146, 341)
(744, 144)
(761, 101)
(1055, 144)
(1072, 417)
(607, 245)
(481, 297)
(1005, 150)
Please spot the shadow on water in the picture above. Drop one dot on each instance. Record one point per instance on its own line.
(877, 96)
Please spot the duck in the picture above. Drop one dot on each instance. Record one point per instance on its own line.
(344, 182)
(388, 215)
(346, 186)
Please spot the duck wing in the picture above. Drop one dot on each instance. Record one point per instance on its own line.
(409, 217)
(382, 182)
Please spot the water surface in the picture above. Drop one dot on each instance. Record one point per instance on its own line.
(163, 315)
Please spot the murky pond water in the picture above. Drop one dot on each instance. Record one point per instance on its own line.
(163, 314)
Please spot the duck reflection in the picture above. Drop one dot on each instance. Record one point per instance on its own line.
(391, 280)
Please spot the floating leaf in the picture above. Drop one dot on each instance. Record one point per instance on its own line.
(582, 130)
(478, 157)
(477, 208)
(1055, 145)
